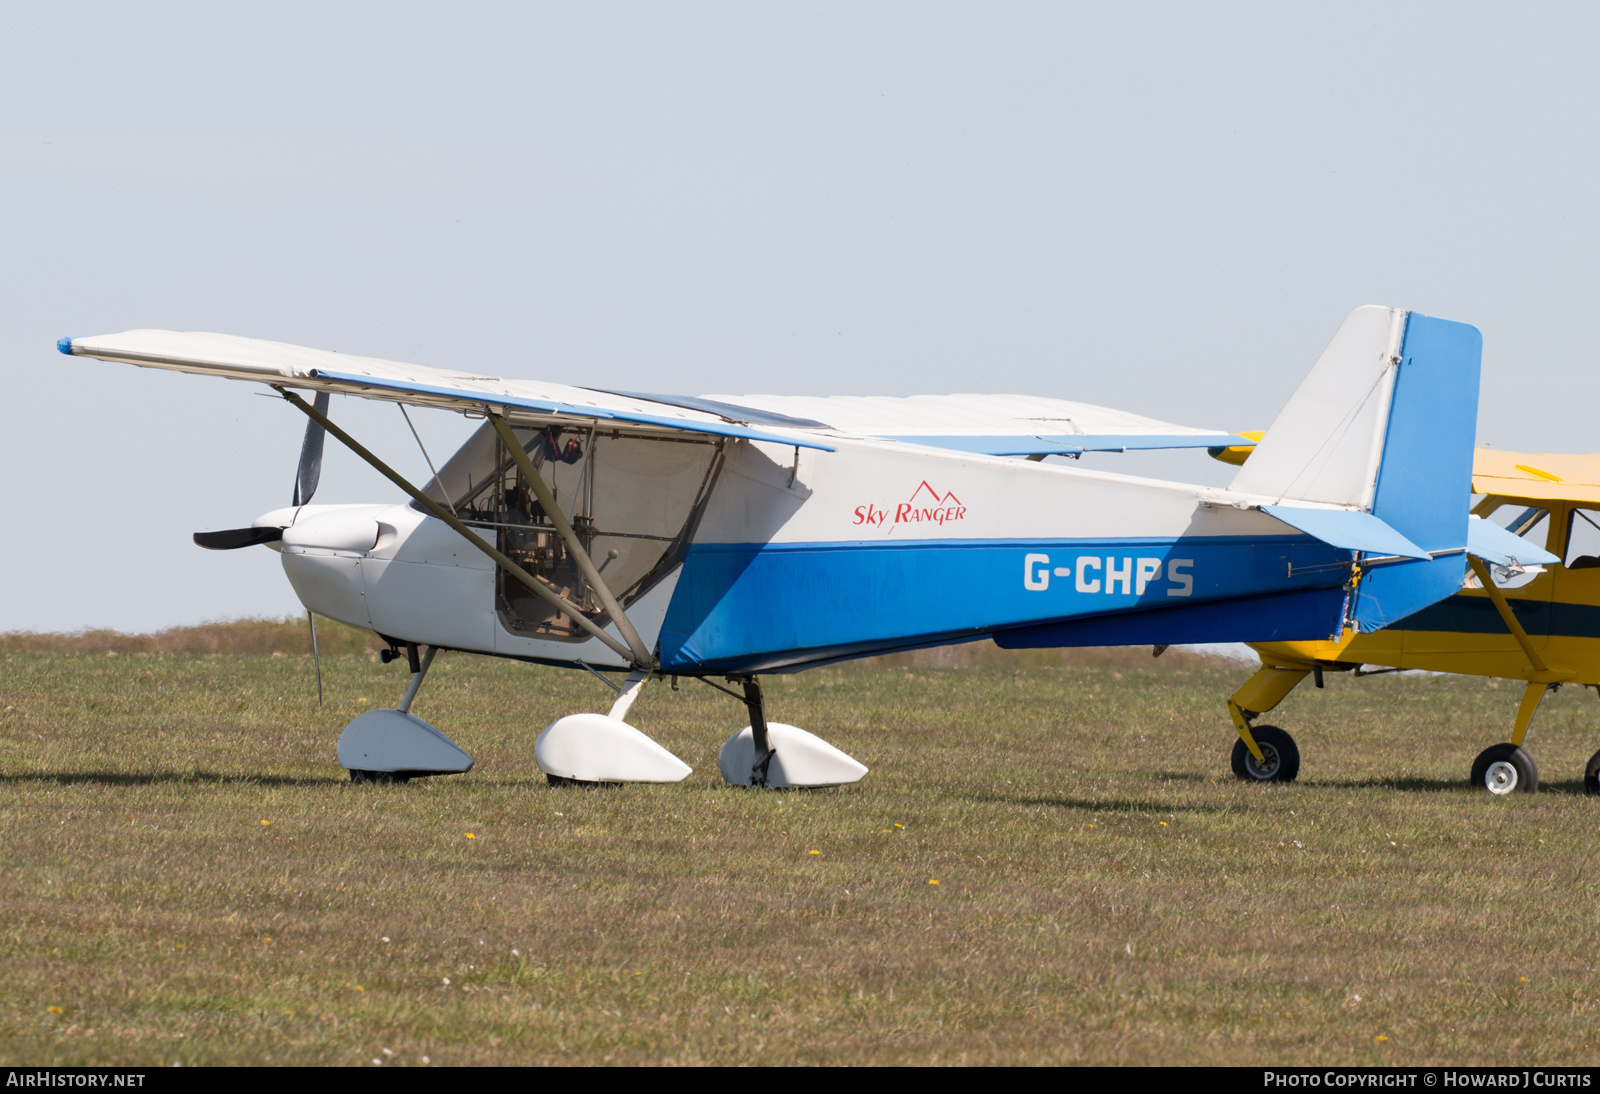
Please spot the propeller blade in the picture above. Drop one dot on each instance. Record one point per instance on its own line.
(305, 480)
(231, 539)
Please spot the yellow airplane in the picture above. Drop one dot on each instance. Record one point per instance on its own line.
(1538, 624)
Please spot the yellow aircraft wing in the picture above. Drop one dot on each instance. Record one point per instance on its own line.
(1539, 476)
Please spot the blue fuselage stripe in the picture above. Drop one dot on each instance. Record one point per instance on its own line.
(741, 603)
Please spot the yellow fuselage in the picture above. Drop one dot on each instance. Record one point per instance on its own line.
(1559, 610)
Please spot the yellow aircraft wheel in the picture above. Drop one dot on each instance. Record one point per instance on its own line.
(1591, 776)
(1280, 757)
(1505, 769)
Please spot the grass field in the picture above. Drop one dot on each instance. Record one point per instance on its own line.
(1045, 865)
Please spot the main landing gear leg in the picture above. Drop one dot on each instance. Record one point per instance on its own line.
(777, 755)
(1505, 768)
(1264, 753)
(757, 707)
(419, 670)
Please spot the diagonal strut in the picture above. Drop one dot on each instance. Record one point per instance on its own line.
(541, 490)
(535, 586)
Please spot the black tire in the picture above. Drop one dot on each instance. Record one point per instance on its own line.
(562, 780)
(1505, 769)
(378, 778)
(1282, 757)
(1591, 777)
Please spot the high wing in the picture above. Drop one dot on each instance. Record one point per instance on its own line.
(284, 365)
(995, 425)
(998, 425)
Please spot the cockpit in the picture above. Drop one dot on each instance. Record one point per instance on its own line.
(633, 500)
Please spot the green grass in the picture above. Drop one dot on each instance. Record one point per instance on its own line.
(1106, 891)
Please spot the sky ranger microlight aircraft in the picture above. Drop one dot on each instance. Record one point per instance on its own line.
(722, 537)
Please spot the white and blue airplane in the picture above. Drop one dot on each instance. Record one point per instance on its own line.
(722, 537)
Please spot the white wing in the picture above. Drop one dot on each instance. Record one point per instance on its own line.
(1002, 425)
(284, 365)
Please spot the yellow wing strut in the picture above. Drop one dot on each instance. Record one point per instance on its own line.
(1507, 615)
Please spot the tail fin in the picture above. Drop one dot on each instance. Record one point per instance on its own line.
(1325, 444)
(1384, 423)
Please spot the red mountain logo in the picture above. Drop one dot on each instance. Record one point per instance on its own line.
(925, 506)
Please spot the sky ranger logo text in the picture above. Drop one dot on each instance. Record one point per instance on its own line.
(925, 506)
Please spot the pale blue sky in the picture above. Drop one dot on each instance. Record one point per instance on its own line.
(1165, 208)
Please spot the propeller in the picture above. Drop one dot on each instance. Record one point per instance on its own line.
(306, 477)
(310, 472)
(231, 539)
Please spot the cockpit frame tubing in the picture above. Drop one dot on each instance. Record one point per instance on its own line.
(535, 586)
(541, 490)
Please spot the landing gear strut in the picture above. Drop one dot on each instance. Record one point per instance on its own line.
(394, 746)
(1264, 754)
(776, 755)
(1505, 768)
(756, 706)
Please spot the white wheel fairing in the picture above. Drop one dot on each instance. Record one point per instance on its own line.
(393, 741)
(593, 748)
(800, 759)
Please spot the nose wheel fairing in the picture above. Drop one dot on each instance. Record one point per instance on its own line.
(394, 742)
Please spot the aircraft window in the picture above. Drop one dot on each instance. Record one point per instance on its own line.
(1583, 540)
(632, 500)
(1520, 521)
(1532, 524)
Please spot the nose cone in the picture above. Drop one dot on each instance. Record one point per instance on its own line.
(345, 530)
(278, 518)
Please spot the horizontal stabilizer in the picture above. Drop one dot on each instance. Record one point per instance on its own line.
(1350, 529)
(1492, 543)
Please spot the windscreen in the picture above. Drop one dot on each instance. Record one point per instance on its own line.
(632, 501)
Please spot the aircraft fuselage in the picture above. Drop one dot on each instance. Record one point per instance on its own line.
(802, 556)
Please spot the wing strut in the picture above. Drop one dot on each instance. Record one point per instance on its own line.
(1507, 616)
(535, 586)
(641, 655)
